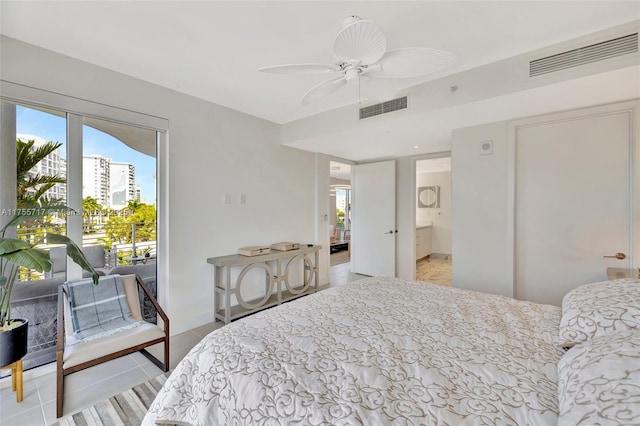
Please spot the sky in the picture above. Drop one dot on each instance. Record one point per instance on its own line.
(53, 128)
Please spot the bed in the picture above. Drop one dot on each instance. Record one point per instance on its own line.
(384, 351)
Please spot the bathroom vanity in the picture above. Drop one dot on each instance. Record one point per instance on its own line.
(423, 241)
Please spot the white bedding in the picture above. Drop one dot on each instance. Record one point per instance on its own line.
(377, 351)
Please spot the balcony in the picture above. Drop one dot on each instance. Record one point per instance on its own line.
(123, 248)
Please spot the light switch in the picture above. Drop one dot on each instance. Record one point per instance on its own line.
(243, 198)
(226, 198)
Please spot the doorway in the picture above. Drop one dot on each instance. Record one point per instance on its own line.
(339, 215)
(433, 220)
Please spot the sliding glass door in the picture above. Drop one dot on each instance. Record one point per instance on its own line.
(105, 172)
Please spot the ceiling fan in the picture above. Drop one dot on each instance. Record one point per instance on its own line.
(361, 51)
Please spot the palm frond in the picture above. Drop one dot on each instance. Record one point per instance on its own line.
(42, 190)
(34, 181)
(27, 157)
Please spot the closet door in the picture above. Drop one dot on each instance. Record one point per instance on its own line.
(572, 203)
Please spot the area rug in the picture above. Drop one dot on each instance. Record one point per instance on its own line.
(124, 409)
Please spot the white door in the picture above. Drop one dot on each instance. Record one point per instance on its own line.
(572, 203)
(374, 219)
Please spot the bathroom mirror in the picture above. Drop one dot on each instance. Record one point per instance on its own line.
(429, 197)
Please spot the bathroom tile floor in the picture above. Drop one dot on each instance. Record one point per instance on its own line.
(434, 269)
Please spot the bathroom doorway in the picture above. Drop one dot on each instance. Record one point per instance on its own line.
(433, 220)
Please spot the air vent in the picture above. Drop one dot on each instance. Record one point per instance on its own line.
(383, 108)
(585, 55)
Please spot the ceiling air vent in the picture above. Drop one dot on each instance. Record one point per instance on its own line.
(585, 55)
(383, 107)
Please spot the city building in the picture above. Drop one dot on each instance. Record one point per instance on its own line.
(95, 178)
(138, 194)
(52, 165)
(122, 188)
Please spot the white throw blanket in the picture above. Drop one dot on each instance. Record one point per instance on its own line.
(374, 352)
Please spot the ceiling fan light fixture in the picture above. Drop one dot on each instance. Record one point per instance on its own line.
(352, 74)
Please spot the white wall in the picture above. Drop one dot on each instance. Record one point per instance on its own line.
(440, 217)
(211, 150)
(480, 244)
(483, 189)
(405, 218)
(323, 209)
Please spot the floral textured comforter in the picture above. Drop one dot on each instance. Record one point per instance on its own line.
(377, 351)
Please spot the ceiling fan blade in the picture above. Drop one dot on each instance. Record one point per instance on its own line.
(302, 69)
(323, 89)
(361, 42)
(413, 62)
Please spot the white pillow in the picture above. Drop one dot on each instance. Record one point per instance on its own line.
(599, 381)
(598, 309)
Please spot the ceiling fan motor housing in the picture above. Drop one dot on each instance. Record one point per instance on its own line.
(352, 74)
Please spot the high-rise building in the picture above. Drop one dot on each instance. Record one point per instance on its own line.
(112, 183)
(138, 195)
(62, 187)
(52, 165)
(95, 178)
(122, 184)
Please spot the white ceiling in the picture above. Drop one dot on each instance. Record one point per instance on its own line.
(434, 165)
(213, 49)
(343, 171)
(339, 170)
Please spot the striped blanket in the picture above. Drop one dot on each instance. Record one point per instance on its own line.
(98, 310)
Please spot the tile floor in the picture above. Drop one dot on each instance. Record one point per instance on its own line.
(339, 257)
(88, 387)
(341, 274)
(434, 269)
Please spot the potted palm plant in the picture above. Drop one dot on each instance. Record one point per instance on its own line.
(16, 254)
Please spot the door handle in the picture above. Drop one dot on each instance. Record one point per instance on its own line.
(390, 232)
(619, 256)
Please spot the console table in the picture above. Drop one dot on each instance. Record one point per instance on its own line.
(278, 288)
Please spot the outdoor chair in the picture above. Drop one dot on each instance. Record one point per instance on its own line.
(146, 271)
(95, 254)
(100, 323)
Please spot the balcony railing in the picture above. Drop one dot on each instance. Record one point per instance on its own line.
(124, 243)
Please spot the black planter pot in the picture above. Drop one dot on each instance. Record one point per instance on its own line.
(13, 343)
